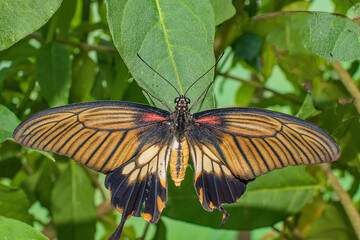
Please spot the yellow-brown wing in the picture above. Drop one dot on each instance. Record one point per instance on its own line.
(231, 146)
(101, 135)
(129, 142)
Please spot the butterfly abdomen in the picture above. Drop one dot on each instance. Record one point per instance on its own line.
(179, 157)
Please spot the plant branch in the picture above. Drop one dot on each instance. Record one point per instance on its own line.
(344, 197)
(283, 233)
(95, 181)
(81, 45)
(295, 232)
(243, 235)
(221, 39)
(25, 100)
(261, 86)
(103, 209)
(348, 83)
(145, 231)
(87, 47)
(283, 13)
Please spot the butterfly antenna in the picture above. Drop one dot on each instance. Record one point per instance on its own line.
(204, 74)
(207, 87)
(162, 102)
(158, 74)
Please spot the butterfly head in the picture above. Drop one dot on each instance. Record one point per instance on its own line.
(182, 103)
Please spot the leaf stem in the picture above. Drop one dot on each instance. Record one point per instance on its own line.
(244, 235)
(103, 209)
(348, 83)
(51, 28)
(145, 231)
(22, 105)
(271, 15)
(95, 181)
(295, 232)
(344, 197)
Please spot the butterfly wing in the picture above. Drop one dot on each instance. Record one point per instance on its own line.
(128, 142)
(231, 146)
(142, 179)
(101, 135)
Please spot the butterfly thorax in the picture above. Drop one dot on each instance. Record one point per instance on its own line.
(179, 155)
(181, 117)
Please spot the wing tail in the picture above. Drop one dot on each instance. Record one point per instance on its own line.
(214, 183)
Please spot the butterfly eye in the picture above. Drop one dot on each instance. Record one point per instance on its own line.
(187, 100)
(177, 100)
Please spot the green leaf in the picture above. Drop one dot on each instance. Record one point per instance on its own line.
(301, 70)
(223, 10)
(296, 6)
(66, 13)
(269, 199)
(244, 95)
(247, 47)
(332, 37)
(164, 38)
(160, 233)
(42, 181)
(21, 50)
(12, 229)
(8, 123)
(354, 11)
(113, 72)
(307, 109)
(329, 36)
(284, 30)
(179, 230)
(73, 206)
(9, 167)
(14, 204)
(83, 76)
(341, 7)
(268, 61)
(333, 224)
(53, 72)
(20, 18)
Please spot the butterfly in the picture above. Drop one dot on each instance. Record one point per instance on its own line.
(134, 144)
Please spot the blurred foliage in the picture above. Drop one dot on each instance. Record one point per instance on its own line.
(278, 55)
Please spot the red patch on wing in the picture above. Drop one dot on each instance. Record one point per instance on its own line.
(215, 120)
(151, 117)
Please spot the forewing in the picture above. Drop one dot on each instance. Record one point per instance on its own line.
(252, 142)
(101, 135)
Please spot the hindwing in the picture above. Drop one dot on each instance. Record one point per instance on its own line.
(143, 179)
